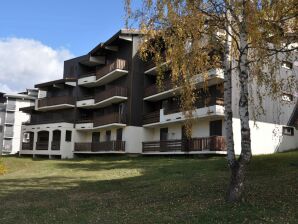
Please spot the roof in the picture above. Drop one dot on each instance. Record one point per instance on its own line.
(115, 37)
(58, 81)
(19, 96)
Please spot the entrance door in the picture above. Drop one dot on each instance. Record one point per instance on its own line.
(215, 128)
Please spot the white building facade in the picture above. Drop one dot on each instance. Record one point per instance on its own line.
(11, 119)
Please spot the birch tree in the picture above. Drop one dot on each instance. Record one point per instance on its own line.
(244, 37)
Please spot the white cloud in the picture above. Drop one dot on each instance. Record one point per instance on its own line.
(26, 62)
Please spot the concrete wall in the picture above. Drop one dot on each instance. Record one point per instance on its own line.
(266, 138)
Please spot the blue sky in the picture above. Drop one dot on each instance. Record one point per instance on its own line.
(37, 36)
(72, 24)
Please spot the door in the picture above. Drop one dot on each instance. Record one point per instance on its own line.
(95, 136)
(215, 128)
(108, 136)
(163, 139)
(119, 134)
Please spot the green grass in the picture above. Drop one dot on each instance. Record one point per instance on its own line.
(146, 190)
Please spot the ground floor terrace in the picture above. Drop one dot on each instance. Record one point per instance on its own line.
(207, 137)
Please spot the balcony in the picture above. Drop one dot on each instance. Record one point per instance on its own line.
(9, 120)
(106, 74)
(154, 93)
(150, 66)
(55, 103)
(8, 132)
(206, 144)
(84, 124)
(152, 117)
(10, 107)
(208, 107)
(106, 121)
(105, 98)
(110, 120)
(100, 147)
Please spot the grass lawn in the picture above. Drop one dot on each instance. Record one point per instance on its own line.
(120, 189)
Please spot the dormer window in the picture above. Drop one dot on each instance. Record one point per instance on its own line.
(287, 97)
(287, 65)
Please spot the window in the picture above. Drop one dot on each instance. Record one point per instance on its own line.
(119, 134)
(287, 65)
(1, 128)
(215, 128)
(287, 97)
(68, 136)
(288, 131)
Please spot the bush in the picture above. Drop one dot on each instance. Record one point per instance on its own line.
(2, 168)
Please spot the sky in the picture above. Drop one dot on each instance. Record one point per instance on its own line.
(36, 36)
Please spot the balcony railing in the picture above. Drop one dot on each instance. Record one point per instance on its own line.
(27, 145)
(210, 101)
(8, 133)
(55, 145)
(213, 143)
(149, 64)
(206, 102)
(109, 119)
(42, 145)
(11, 107)
(152, 117)
(51, 101)
(100, 146)
(116, 91)
(9, 120)
(154, 89)
(117, 64)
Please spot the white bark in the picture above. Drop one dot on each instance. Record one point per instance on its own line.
(228, 93)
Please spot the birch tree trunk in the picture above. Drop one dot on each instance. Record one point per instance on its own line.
(239, 168)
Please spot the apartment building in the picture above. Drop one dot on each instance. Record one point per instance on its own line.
(108, 101)
(11, 119)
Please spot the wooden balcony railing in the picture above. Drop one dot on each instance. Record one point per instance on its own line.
(87, 74)
(42, 145)
(117, 64)
(154, 89)
(149, 64)
(213, 143)
(83, 147)
(207, 102)
(51, 101)
(27, 145)
(100, 146)
(115, 91)
(152, 117)
(55, 145)
(109, 119)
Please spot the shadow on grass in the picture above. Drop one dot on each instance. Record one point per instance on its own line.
(136, 190)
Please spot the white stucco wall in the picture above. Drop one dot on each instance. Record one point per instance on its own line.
(266, 138)
(66, 148)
